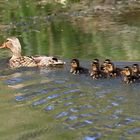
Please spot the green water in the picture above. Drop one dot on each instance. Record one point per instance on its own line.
(43, 104)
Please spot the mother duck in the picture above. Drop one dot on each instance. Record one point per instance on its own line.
(17, 60)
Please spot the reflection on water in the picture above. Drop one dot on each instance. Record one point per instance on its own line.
(39, 103)
(62, 35)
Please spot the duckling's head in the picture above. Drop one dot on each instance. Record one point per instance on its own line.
(95, 66)
(96, 60)
(135, 68)
(75, 63)
(127, 71)
(107, 61)
(13, 44)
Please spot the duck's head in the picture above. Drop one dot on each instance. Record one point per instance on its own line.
(13, 44)
(53, 61)
(75, 63)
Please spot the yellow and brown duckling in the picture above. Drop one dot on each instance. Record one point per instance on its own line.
(17, 60)
(76, 68)
(127, 75)
(109, 69)
(103, 65)
(95, 72)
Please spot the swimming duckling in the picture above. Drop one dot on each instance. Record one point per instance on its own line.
(76, 69)
(17, 60)
(127, 75)
(136, 71)
(95, 70)
(108, 69)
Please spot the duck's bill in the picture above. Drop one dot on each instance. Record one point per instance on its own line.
(3, 46)
(58, 63)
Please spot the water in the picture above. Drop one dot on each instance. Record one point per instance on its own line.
(39, 103)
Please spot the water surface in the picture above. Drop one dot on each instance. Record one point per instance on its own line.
(54, 104)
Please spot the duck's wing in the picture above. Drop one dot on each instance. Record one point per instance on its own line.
(23, 61)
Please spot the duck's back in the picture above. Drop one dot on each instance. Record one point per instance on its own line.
(23, 61)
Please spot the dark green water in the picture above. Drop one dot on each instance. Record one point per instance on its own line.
(44, 104)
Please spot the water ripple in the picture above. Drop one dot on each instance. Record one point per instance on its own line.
(134, 131)
(39, 102)
(49, 108)
(62, 114)
(92, 137)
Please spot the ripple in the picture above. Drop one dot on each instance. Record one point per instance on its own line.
(134, 131)
(62, 114)
(14, 81)
(49, 108)
(60, 81)
(102, 93)
(86, 115)
(74, 110)
(68, 104)
(126, 121)
(78, 125)
(92, 137)
(71, 91)
(53, 96)
(88, 121)
(20, 98)
(115, 104)
(39, 102)
(71, 118)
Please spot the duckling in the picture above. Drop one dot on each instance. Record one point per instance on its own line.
(136, 71)
(76, 69)
(127, 75)
(95, 70)
(108, 69)
(17, 60)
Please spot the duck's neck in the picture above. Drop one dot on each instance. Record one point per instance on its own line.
(15, 53)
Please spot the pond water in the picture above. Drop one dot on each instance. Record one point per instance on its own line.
(42, 103)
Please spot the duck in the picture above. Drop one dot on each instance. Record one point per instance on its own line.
(127, 75)
(17, 60)
(76, 68)
(95, 72)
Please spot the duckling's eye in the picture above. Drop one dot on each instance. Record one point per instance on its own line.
(73, 62)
